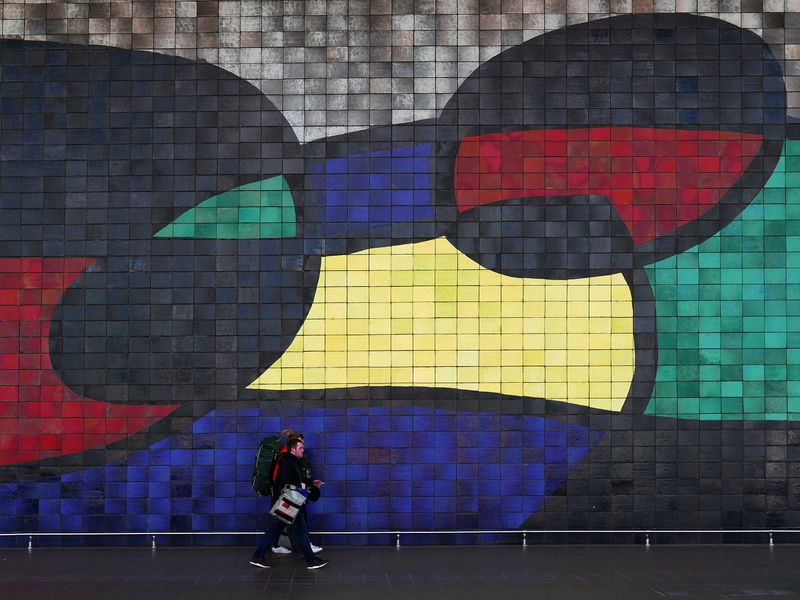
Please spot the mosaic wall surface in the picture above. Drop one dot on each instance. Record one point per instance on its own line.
(505, 264)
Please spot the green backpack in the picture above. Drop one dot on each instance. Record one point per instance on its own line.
(264, 467)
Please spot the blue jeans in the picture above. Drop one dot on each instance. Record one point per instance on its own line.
(274, 527)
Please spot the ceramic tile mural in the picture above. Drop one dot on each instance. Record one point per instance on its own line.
(507, 265)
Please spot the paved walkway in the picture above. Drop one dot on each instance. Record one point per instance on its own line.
(411, 573)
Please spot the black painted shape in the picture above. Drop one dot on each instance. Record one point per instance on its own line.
(102, 147)
(660, 473)
(169, 326)
(646, 70)
(555, 237)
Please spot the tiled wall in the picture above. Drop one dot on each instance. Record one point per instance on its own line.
(506, 264)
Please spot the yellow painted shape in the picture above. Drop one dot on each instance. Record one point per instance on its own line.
(426, 315)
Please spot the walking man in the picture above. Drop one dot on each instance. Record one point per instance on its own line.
(290, 471)
(287, 542)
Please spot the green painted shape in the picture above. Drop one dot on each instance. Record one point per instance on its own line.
(262, 209)
(728, 313)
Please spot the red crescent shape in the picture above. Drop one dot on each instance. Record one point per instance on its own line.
(39, 416)
(657, 179)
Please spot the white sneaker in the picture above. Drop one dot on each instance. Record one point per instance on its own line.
(316, 548)
(280, 550)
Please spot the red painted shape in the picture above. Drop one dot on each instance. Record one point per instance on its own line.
(657, 179)
(39, 416)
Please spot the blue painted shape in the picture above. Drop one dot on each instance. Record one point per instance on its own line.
(374, 188)
(399, 468)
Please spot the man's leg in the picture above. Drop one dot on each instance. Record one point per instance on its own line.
(293, 535)
(274, 528)
(291, 532)
(300, 528)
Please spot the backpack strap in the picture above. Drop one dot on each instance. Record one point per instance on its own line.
(277, 464)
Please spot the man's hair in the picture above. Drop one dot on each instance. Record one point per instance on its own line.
(291, 444)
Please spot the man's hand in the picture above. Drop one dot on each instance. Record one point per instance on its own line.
(318, 483)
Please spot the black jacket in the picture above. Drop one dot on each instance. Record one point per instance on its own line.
(293, 471)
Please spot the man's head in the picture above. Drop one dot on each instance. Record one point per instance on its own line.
(296, 447)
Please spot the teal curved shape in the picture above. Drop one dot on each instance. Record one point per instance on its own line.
(728, 313)
(261, 209)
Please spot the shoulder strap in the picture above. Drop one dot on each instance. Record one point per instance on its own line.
(277, 465)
